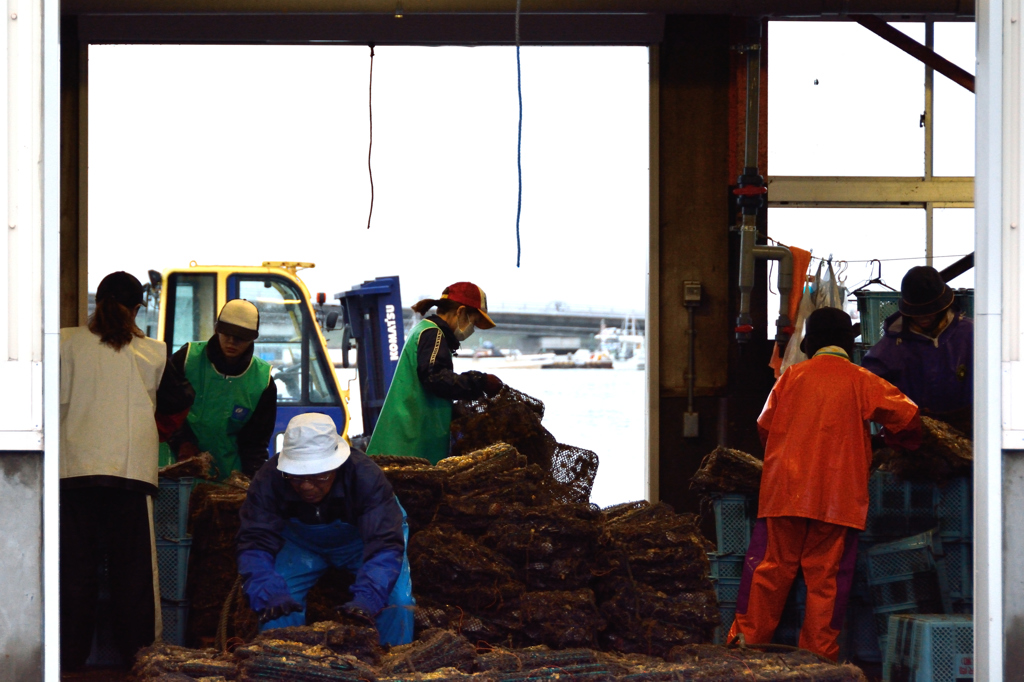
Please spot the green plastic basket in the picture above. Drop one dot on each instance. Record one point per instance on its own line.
(876, 306)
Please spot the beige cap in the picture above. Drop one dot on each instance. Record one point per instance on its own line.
(239, 318)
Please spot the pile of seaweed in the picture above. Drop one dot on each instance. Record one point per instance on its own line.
(945, 453)
(323, 653)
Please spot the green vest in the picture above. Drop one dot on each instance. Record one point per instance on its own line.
(223, 405)
(412, 423)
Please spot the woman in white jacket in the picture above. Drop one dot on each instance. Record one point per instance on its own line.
(113, 384)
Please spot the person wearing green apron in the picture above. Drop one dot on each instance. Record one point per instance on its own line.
(417, 414)
(236, 400)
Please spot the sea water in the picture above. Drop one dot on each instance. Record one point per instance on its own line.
(597, 409)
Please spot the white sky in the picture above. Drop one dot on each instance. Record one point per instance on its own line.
(240, 154)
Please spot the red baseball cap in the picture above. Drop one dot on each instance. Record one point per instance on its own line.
(467, 294)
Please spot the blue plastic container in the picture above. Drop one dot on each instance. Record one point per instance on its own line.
(725, 565)
(897, 508)
(733, 523)
(929, 648)
(172, 561)
(170, 509)
(175, 618)
(958, 564)
(955, 509)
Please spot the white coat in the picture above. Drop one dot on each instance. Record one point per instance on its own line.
(107, 406)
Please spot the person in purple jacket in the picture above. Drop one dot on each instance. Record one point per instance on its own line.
(927, 350)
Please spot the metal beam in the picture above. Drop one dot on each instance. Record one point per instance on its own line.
(773, 8)
(916, 50)
(849, 192)
(380, 29)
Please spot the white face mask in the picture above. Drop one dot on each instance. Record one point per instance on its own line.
(463, 332)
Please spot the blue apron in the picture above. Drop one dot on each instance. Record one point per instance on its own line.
(309, 550)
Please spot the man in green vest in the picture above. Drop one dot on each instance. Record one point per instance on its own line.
(417, 414)
(236, 400)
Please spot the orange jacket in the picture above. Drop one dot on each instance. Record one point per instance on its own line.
(817, 441)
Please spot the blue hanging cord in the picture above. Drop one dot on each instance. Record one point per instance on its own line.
(519, 146)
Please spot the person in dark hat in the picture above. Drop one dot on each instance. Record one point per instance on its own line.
(814, 489)
(236, 400)
(417, 414)
(118, 396)
(927, 350)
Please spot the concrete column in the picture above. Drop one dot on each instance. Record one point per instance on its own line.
(21, 535)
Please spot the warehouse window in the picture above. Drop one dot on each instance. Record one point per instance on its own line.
(870, 153)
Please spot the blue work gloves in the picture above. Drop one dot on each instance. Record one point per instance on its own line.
(267, 590)
(356, 612)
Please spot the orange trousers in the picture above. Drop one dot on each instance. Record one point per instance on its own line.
(779, 547)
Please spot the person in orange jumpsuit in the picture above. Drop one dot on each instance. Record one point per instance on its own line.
(814, 489)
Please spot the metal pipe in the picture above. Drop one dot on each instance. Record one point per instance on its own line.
(751, 192)
(691, 373)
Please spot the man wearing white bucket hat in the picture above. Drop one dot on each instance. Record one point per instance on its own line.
(320, 504)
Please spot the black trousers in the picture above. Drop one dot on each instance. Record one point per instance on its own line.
(105, 525)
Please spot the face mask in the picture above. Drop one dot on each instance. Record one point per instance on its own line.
(463, 332)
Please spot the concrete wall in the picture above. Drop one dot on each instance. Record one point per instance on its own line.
(21, 615)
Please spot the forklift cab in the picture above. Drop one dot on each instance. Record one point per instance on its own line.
(290, 337)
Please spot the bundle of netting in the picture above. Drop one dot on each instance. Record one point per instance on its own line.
(551, 547)
(651, 579)
(944, 453)
(725, 470)
(212, 568)
(514, 418)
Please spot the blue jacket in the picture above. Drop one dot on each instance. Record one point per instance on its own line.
(937, 374)
(361, 496)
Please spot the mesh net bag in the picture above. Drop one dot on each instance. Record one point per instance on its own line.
(575, 468)
(166, 659)
(451, 567)
(550, 547)
(559, 619)
(477, 628)
(508, 660)
(514, 418)
(212, 570)
(330, 639)
(434, 650)
(725, 470)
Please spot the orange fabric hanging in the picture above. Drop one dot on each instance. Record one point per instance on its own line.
(817, 443)
(801, 261)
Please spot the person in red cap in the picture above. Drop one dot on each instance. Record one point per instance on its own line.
(417, 414)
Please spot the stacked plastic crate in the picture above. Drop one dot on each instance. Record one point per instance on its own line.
(173, 544)
(896, 509)
(955, 508)
(929, 648)
(734, 521)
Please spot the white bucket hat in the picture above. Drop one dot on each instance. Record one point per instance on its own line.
(312, 446)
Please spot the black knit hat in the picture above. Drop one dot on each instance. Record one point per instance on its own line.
(120, 287)
(924, 292)
(828, 327)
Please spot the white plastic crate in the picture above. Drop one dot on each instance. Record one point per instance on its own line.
(929, 648)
